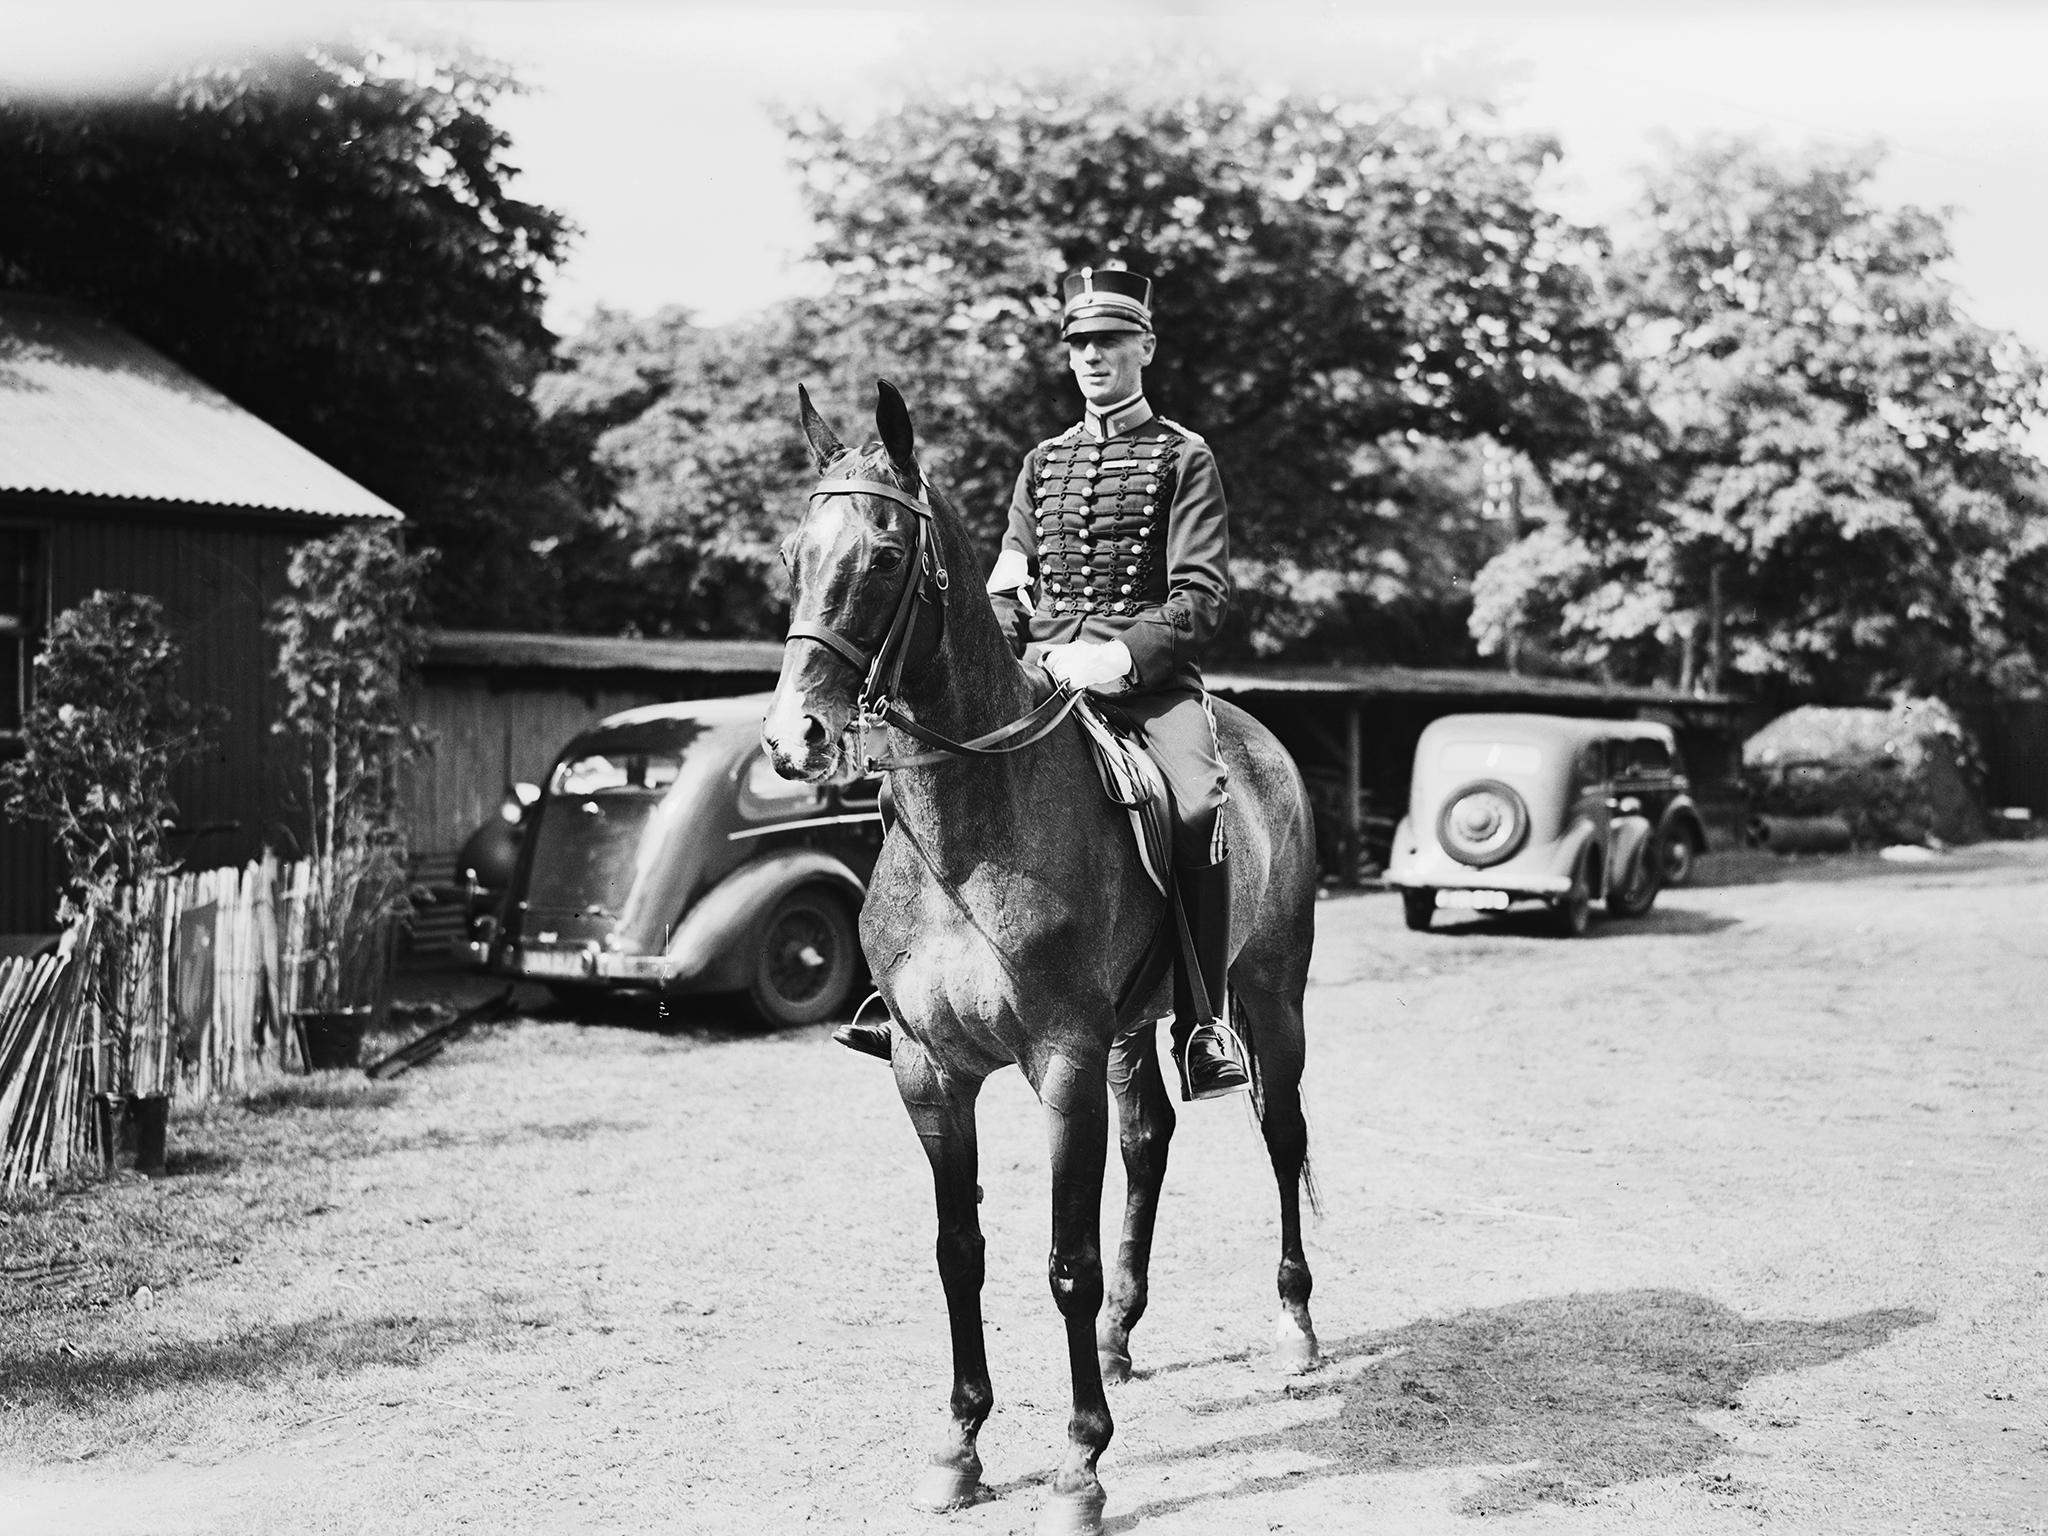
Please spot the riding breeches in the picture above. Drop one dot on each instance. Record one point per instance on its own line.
(1179, 731)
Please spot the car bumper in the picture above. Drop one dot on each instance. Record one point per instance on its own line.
(538, 962)
(1434, 870)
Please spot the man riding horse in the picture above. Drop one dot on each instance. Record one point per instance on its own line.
(1114, 577)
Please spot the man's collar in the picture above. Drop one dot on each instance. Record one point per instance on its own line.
(1103, 423)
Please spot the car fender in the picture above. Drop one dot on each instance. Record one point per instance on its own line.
(1628, 842)
(713, 946)
(1567, 850)
(1403, 855)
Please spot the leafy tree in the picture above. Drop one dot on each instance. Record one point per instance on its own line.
(101, 742)
(1340, 285)
(330, 241)
(695, 467)
(1845, 504)
(347, 640)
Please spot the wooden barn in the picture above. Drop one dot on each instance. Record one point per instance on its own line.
(119, 470)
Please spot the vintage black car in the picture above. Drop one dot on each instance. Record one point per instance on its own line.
(665, 854)
(1510, 808)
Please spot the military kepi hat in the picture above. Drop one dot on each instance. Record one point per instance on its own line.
(1105, 299)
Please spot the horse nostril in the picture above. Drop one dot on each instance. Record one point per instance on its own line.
(814, 731)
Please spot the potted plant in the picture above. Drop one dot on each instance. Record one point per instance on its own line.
(347, 641)
(101, 741)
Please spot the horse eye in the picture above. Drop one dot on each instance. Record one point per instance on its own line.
(783, 551)
(888, 557)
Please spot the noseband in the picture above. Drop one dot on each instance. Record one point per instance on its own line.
(884, 665)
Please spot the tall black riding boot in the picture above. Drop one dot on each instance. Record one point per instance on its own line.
(1210, 1054)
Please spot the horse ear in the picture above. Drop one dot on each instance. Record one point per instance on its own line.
(892, 420)
(825, 444)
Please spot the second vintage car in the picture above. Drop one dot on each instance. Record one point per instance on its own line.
(665, 854)
(1505, 809)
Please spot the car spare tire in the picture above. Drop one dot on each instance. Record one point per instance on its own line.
(1482, 824)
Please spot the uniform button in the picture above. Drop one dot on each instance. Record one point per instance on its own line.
(1126, 587)
(1130, 570)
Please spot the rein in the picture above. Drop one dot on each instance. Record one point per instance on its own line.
(885, 664)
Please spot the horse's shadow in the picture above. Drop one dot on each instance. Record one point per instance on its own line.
(1590, 1390)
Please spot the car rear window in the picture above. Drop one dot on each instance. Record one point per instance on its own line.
(1491, 757)
(644, 773)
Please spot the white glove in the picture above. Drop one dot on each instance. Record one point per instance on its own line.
(1013, 574)
(1083, 664)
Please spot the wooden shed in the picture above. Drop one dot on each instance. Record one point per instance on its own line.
(121, 471)
(500, 706)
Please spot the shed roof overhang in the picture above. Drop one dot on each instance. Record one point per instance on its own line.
(88, 411)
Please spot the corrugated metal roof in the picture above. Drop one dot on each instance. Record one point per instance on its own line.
(1447, 682)
(87, 410)
(506, 649)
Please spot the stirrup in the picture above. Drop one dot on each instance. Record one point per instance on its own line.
(869, 1039)
(1211, 1062)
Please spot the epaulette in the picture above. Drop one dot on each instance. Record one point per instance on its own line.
(1187, 432)
(1059, 437)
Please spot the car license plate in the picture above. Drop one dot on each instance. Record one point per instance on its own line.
(552, 962)
(1474, 901)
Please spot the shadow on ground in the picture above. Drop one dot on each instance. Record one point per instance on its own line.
(1594, 1389)
(1542, 923)
(85, 1381)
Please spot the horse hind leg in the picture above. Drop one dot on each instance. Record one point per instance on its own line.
(1145, 1121)
(1278, 1048)
(942, 1110)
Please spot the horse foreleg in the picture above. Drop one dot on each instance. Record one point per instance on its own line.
(1076, 1101)
(942, 1110)
(1145, 1121)
(1277, 1039)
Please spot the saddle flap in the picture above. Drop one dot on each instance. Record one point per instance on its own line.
(1132, 780)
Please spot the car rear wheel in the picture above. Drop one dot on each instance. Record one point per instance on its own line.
(1678, 856)
(1418, 908)
(805, 969)
(1639, 893)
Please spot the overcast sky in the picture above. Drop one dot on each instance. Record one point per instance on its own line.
(650, 124)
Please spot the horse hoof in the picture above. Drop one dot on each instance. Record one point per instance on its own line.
(1294, 1347)
(943, 1486)
(1073, 1514)
(1116, 1365)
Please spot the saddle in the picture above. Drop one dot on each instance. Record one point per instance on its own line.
(1132, 780)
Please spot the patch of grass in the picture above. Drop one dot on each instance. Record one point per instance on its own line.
(232, 1172)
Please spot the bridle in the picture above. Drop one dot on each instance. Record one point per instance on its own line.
(925, 581)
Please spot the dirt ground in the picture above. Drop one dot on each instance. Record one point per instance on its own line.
(1729, 1219)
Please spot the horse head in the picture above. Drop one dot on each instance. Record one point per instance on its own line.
(867, 579)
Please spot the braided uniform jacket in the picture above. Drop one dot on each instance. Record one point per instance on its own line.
(1125, 539)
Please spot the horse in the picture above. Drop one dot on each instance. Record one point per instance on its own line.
(1008, 914)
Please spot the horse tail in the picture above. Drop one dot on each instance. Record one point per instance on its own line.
(1310, 1189)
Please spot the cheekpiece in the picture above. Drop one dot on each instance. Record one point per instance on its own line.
(1096, 300)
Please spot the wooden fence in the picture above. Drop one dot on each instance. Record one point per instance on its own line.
(196, 981)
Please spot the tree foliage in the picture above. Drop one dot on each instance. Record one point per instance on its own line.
(347, 641)
(695, 466)
(1844, 504)
(330, 241)
(105, 734)
(1338, 284)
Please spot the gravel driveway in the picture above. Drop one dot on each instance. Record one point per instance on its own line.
(1728, 1219)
